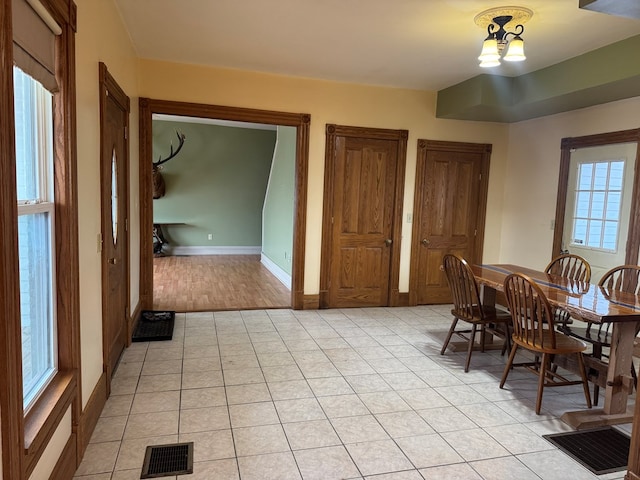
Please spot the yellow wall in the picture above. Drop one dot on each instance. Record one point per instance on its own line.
(101, 37)
(340, 103)
(532, 175)
(522, 184)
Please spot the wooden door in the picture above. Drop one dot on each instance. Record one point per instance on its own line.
(449, 213)
(363, 195)
(114, 161)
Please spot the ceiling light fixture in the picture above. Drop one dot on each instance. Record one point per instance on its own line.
(497, 42)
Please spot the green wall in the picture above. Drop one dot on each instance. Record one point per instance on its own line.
(277, 240)
(215, 185)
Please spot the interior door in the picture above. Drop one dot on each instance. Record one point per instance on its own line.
(360, 249)
(449, 213)
(114, 114)
(598, 228)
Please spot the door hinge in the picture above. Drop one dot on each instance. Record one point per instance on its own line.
(480, 177)
(475, 233)
(126, 132)
(331, 220)
(126, 224)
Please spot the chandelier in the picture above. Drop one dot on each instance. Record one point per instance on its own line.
(502, 23)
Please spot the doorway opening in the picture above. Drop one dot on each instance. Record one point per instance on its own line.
(219, 254)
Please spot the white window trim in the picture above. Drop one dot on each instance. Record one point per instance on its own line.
(45, 204)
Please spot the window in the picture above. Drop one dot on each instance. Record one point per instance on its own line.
(596, 218)
(34, 167)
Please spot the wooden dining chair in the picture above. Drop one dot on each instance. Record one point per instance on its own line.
(534, 330)
(468, 307)
(624, 278)
(571, 266)
(574, 268)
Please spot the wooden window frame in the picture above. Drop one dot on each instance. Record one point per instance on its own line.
(24, 438)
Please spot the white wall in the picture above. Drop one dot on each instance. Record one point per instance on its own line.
(531, 181)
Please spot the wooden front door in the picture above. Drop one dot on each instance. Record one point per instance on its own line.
(361, 229)
(114, 179)
(449, 213)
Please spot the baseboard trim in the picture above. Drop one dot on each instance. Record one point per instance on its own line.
(277, 272)
(66, 466)
(91, 414)
(403, 299)
(311, 302)
(187, 251)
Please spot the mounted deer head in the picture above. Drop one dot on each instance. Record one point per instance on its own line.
(156, 176)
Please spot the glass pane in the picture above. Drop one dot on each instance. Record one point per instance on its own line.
(114, 196)
(585, 174)
(614, 200)
(610, 239)
(600, 176)
(26, 135)
(580, 232)
(597, 205)
(36, 302)
(595, 233)
(616, 175)
(583, 202)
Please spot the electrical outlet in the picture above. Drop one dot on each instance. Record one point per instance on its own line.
(210, 236)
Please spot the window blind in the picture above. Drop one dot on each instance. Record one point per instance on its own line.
(34, 41)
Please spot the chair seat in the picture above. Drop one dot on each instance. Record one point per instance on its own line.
(490, 314)
(564, 344)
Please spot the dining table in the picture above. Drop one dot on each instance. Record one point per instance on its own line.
(589, 303)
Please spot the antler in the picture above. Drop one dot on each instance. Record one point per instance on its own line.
(181, 137)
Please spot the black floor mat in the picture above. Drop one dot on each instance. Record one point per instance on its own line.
(154, 325)
(601, 450)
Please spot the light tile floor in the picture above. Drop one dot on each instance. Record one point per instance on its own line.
(330, 394)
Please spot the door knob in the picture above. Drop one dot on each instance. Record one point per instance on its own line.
(425, 242)
(113, 261)
(388, 241)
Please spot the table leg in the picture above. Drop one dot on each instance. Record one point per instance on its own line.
(620, 359)
(615, 410)
(634, 451)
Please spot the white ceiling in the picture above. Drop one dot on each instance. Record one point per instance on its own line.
(421, 44)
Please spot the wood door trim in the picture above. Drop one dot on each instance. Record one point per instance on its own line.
(424, 146)
(332, 132)
(109, 87)
(299, 120)
(569, 143)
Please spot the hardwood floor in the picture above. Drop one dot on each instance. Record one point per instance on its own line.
(215, 282)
